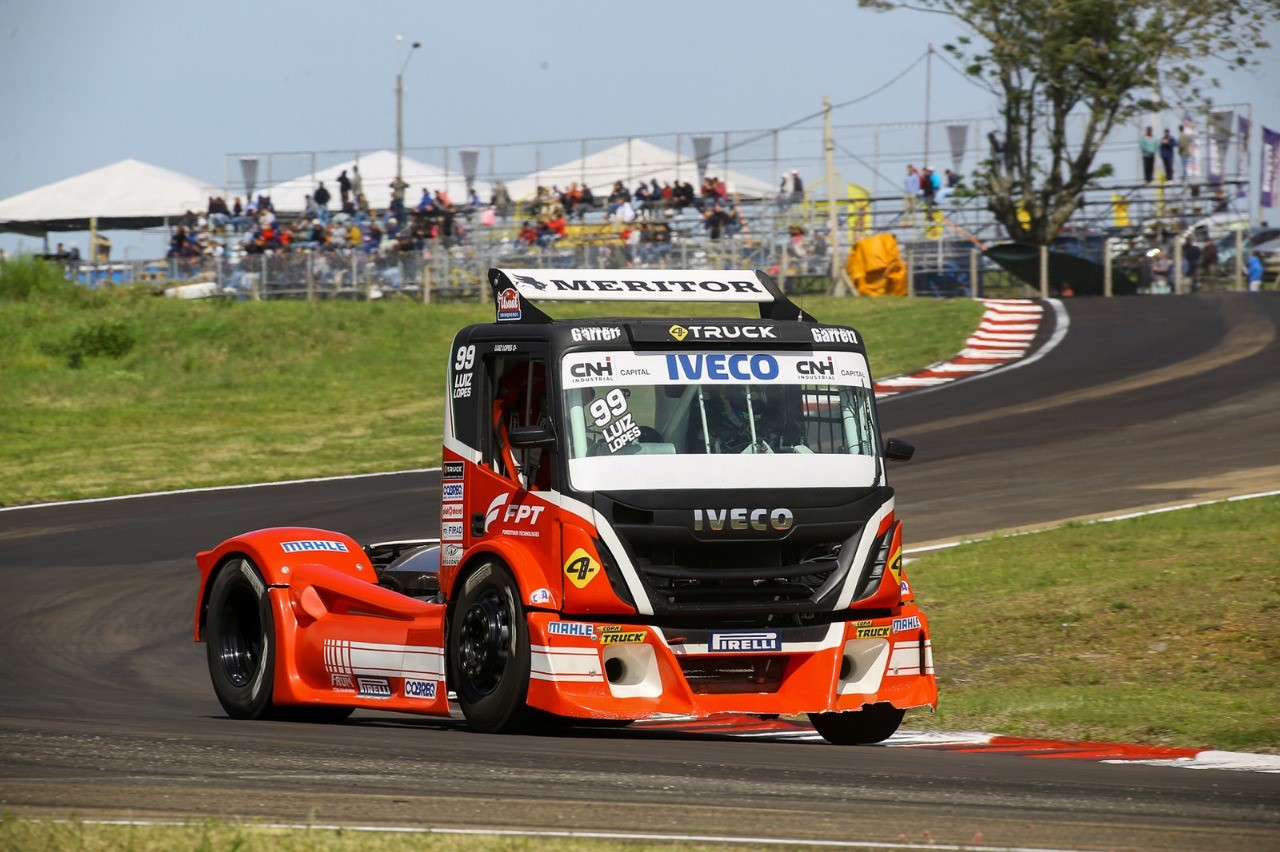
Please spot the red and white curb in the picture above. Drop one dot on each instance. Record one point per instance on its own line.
(789, 730)
(1005, 334)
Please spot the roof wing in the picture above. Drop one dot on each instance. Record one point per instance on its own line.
(515, 290)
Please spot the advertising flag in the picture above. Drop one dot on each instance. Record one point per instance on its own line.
(1219, 141)
(1242, 156)
(1270, 167)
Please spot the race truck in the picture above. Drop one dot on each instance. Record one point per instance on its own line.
(640, 518)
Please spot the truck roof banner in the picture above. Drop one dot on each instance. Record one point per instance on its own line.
(516, 290)
(639, 285)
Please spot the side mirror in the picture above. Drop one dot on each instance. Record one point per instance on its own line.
(531, 437)
(896, 449)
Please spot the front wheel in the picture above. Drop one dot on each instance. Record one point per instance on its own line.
(489, 652)
(872, 724)
(240, 641)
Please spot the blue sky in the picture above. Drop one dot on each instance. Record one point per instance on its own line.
(84, 84)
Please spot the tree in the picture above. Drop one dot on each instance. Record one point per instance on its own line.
(1107, 60)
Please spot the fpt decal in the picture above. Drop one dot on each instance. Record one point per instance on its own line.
(581, 568)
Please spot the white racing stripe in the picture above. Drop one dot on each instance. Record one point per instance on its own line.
(342, 656)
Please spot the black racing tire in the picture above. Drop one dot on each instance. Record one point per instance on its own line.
(489, 652)
(872, 724)
(240, 640)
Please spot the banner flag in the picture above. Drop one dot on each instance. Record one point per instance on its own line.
(249, 170)
(1270, 167)
(1242, 157)
(470, 158)
(958, 135)
(1219, 140)
(702, 153)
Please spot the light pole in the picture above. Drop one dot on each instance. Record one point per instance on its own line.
(400, 105)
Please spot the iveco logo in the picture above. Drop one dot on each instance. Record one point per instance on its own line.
(760, 520)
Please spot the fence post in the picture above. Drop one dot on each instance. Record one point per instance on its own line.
(354, 251)
(1239, 276)
(911, 273)
(1044, 272)
(1177, 266)
(1106, 268)
(974, 289)
(424, 279)
(311, 282)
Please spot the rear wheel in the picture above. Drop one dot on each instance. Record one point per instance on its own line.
(872, 724)
(489, 652)
(240, 641)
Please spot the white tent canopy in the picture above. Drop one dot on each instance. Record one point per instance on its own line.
(128, 194)
(377, 170)
(631, 162)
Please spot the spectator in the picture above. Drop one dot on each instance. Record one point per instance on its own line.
(357, 182)
(528, 234)
(797, 187)
(715, 219)
(1167, 146)
(1255, 272)
(398, 187)
(1185, 140)
(1191, 263)
(322, 197)
(501, 199)
(910, 191)
(929, 190)
(1149, 146)
(344, 187)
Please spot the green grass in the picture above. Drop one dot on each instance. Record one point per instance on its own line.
(1161, 629)
(105, 394)
(216, 835)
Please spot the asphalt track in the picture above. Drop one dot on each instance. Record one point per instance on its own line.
(106, 708)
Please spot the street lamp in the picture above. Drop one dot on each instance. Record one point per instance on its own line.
(400, 104)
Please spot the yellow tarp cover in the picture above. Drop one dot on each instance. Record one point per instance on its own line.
(875, 266)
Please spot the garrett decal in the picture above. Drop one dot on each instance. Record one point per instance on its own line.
(833, 335)
(581, 568)
(595, 335)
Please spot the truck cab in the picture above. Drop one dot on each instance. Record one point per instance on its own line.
(681, 516)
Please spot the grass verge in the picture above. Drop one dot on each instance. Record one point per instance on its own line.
(1160, 629)
(105, 394)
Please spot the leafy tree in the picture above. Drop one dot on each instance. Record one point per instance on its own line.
(1107, 60)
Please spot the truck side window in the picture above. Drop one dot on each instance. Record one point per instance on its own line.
(518, 382)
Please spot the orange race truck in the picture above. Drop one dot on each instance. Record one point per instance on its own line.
(640, 518)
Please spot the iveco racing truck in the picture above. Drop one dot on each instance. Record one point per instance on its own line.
(640, 518)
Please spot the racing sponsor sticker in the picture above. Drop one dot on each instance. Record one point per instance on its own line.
(313, 544)
(540, 596)
(911, 622)
(452, 492)
(451, 531)
(424, 689)
(745, 642)
(509, 305)
(595, 335)
(341, 683)
(618, 636)
(374, 687)
(451, 512)
(571, 628)
(451, 471)
(873, 632)
(581, 568)
(451, 554)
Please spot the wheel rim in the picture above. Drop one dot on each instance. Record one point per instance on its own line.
(485, 641)
(240, 641)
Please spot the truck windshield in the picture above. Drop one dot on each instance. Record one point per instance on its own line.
(667, 418)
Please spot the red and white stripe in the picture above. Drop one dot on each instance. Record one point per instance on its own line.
(1003, 336)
